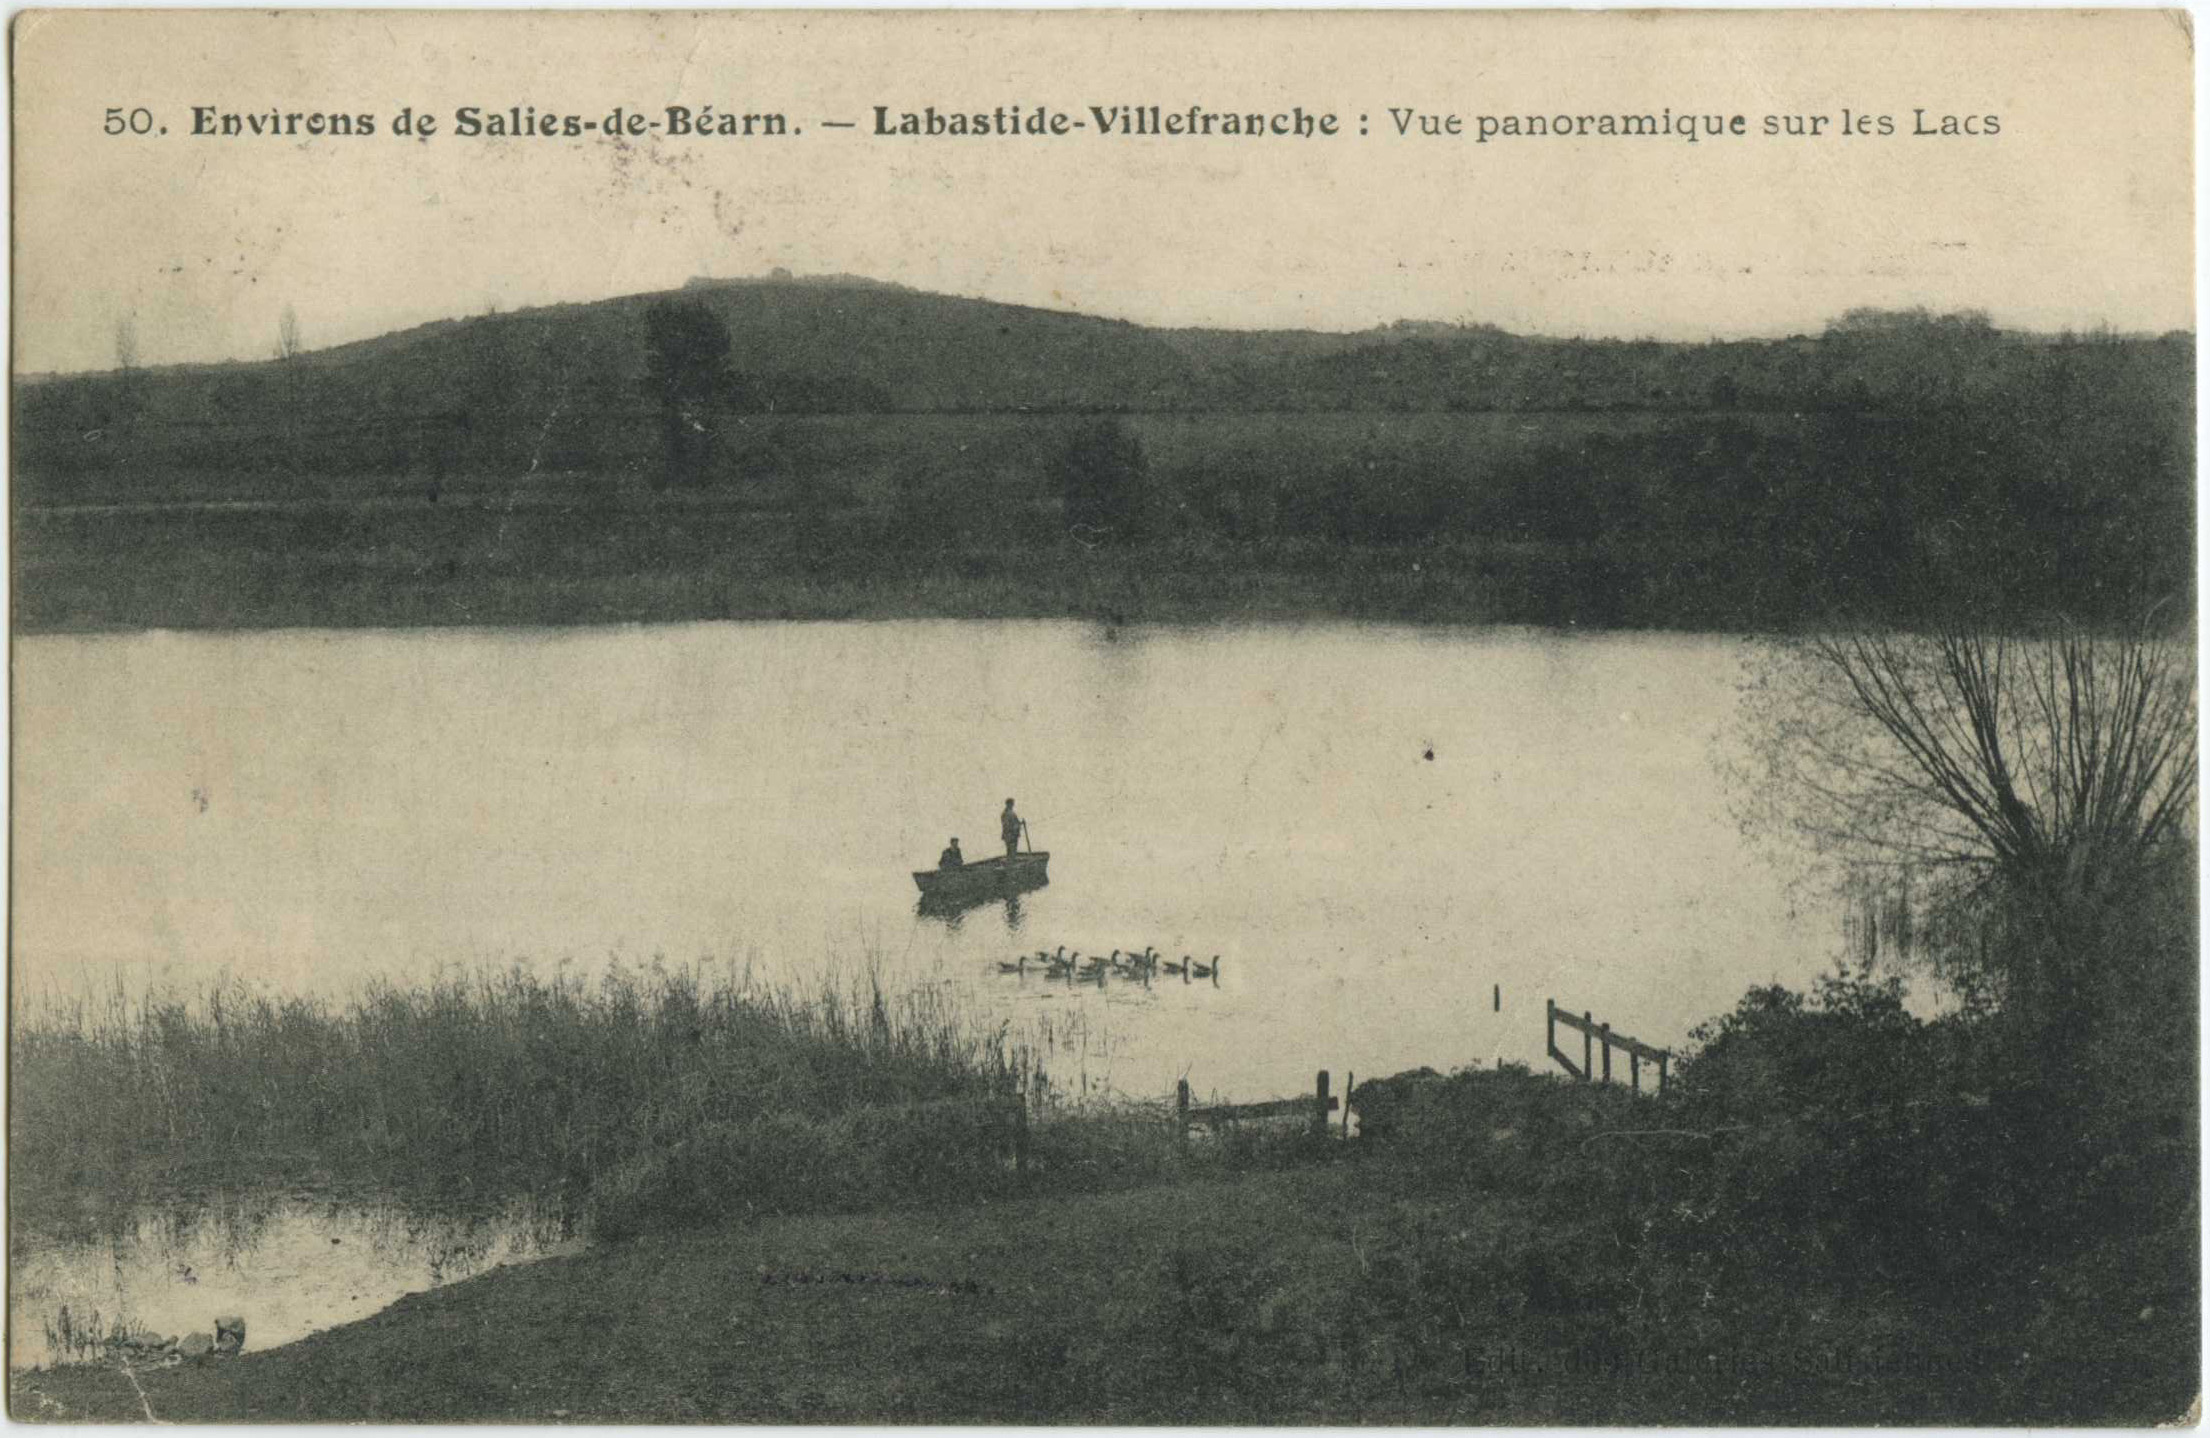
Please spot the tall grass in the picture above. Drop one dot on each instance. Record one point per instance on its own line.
(540, 1080)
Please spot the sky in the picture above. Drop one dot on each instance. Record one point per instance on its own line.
(2078, 213)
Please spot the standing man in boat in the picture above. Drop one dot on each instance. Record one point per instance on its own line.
(1009, 825)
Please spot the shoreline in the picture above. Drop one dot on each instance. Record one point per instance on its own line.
(1120, 1307)
(724, 568)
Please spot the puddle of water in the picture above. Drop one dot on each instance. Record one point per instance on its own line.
(290, 1264)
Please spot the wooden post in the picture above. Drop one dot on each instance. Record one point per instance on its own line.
(1634, 1066)
(1496, 998)
(1664, 1062)
(1181, 1113)
(1350, 1086)
(1320, 1111)
(1607, 1052)
(1550, 1013)
(1588, 1045)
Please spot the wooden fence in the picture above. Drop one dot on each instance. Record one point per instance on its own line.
(1322, 1102)
(1318, 1106)
(1594, 1033)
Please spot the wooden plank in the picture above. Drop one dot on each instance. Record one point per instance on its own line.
(1272, 1108)
(1574, 1021)
(1596, 1030)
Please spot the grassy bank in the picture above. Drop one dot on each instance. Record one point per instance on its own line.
(1266, 1297)
(597, 562)
(1839, 1214)
(1493, 1262)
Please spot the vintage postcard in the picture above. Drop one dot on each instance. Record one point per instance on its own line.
(1115, 718)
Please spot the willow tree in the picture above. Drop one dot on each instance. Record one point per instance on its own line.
(2034, 788)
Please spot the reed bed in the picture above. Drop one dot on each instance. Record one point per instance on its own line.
(555, 1081)
(80, 1337)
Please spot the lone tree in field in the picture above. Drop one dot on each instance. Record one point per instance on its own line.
(288, 347)
(687, 372)
(130, 390)
(2033, 787)
(1105, 479)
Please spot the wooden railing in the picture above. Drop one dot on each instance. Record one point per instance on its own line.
(1594, 1033)
(1318, 1106)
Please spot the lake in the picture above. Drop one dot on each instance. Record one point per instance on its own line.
(1400, 841)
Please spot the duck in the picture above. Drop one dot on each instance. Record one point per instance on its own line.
(1018, 966)
(1207, 971)
(1181, 968)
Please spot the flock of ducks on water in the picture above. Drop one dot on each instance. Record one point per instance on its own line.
(1143, 966)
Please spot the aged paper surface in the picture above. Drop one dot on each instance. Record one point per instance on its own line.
(1588, 619)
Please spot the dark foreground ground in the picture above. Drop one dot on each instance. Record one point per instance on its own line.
(1260, 1297)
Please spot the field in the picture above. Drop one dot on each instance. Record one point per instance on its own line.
(853, 458)
(1238, 517)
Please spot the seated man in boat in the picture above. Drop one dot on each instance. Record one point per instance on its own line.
(1009, 825)
(950, 858)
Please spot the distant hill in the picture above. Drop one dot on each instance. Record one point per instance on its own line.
(504, 387)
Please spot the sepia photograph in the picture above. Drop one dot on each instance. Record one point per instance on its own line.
(1109, 718)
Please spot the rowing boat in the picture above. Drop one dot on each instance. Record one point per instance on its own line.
(984, 878)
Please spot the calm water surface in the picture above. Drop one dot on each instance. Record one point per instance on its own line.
(1379, 830)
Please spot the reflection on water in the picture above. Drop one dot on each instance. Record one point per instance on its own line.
(953, 910)
(291, 1264)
